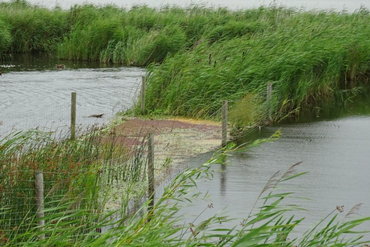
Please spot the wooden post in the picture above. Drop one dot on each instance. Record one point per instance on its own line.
(224, 123)
(73, 115)
(143, 85)
(39, 185)
(269, 93)
(151, 171)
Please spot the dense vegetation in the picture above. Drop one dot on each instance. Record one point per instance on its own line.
(198, 56)
(78, 179)
(77, 190)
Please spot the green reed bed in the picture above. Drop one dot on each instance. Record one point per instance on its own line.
(267, 224)
(77, 175)
(199, 56)
(313, 59)
(32, 28)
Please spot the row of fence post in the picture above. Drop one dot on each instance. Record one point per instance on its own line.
(39, 180)
(142, 97)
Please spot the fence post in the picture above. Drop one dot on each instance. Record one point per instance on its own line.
(224, 123)
(143, 85)
(39, 184)
(151, 171)
(73, 115)
(269, 92)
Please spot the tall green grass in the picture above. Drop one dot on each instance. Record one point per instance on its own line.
(267, 224)
(77, 175)
(5, 37)
(313, 59)
(199, 56)
(33, 28)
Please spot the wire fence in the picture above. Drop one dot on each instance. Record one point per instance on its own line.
(111, 166)
(42, 100)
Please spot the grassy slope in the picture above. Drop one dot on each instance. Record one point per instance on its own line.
(199, 56)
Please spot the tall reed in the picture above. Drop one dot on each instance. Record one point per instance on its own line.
(266, 225)
(199, 56)
(33, 28)
(76, 174)
(313, 59)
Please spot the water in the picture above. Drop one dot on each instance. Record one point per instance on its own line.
(338, 5)
(335, 153)
(34, 94)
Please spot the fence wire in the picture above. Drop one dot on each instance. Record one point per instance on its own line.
(42, 101)
(119, 156)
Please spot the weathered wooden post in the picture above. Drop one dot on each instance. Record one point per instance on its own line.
(151, 171)
(224, 123)
(73, 115)
(269, 93)
(143, 85)
(39, 185)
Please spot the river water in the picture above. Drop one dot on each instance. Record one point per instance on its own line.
(34, 94)
(337, 5)
(335, 153)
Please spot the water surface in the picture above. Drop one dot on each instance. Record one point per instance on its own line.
(34, 94)
(335, 153)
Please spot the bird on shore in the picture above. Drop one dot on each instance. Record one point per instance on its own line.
(61, 66)
(1, 72)
(97, 115)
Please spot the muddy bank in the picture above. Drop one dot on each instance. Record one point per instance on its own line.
(176, 141)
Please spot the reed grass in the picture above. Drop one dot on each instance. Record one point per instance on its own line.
(199, 56)
(312, 59)
(5, 37)
(33, 28)
(76, 174)
(266, 224)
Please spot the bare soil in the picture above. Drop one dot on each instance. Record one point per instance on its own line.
(175, 142)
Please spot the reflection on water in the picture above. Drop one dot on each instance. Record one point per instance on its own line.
(34, 94)
(335, 153)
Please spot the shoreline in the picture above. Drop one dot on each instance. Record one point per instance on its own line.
(176, 142)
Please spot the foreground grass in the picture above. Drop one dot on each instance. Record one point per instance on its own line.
(74, 215)
(76, 174)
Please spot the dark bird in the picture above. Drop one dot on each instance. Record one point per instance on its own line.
(1, 72)
(97, 115)
(210, 59)
(61, 66)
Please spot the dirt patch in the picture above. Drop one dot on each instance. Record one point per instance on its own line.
(175, 142)
(141, 127)
(188, 131)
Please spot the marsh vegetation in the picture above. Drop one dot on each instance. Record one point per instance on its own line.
(196, 57)
(76, 194)
(199, 56)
